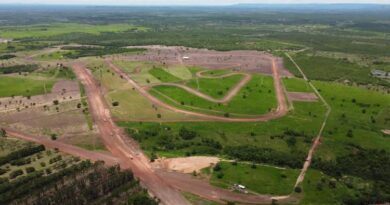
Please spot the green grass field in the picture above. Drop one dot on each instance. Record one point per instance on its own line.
(296, 85)
(359, 109)
(163, 75)
(132, 105)
(261, 179)
(322, 189)
(257, 97)
(331, 69)
(215, 72)
(15, 86)
(45, 30)
(216, 88)
(163, 138)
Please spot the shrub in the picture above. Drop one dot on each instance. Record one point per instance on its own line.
(15, 173)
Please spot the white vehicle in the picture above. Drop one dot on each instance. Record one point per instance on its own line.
(186, 58)
(241, 186)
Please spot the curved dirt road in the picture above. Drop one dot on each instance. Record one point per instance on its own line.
(281, 110)
(231, 93)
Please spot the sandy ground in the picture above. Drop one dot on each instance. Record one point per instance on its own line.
(248, 61)
(302, 96)
(387, 132)
(185, 164)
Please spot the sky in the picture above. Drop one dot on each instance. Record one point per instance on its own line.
(182, 2)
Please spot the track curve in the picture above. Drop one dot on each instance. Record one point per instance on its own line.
(281, 110)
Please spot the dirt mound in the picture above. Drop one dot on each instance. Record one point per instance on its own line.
(185, 164)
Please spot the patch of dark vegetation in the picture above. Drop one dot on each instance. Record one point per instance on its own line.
(369, 164)
(86, 51)
(7, 56)
(19, 154)
(18, 68)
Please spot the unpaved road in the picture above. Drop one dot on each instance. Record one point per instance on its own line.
(116, 142)
(317, 140)
(281, 110)
(227, 98)
(164, 186)
(184, 182)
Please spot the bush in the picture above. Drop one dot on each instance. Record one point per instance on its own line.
(30, 169)
(16, 173)
(187, 134)
(298, 189)
(217, 167)
(116, 103)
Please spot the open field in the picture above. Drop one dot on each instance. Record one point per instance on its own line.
(15, 86)
(17, 32)
(215, 87)
(257, 178)
(257, 97)
(363, 111)
(132, 105)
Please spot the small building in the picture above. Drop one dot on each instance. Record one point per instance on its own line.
(186, 58)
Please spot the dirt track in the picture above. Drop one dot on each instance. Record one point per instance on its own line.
(231, 93)
(116, 142)
(281, 110)
(183, 182)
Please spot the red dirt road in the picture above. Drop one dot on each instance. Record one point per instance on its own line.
(281, 110)
(115, 141)
(184, 182)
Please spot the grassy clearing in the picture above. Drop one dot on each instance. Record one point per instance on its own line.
(296, 85)
(45, 30)
(216, 88)
(258, 178)
(58, 55)
(215, 72)
(181, 72)
(257, 97)
(363, 111)
(163, 75)
(132, 105)
(331, 69)
(15, 86)
(164, 139)
(322, 189)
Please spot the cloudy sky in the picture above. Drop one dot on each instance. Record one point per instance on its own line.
(181, 2)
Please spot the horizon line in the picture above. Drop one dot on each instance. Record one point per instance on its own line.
(189, 5)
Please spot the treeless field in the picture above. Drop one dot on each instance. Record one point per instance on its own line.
(248, 61)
